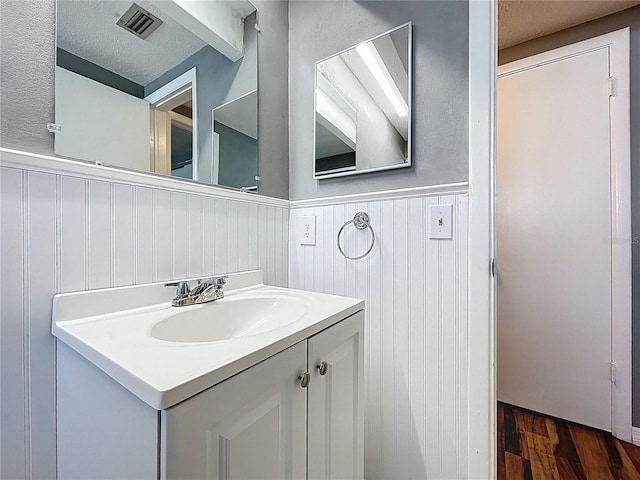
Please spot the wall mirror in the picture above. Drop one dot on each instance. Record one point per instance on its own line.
(235, 142)
(363, 107)
(161, 86)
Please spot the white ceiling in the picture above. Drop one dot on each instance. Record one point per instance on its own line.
(522, 20)
(88, 29)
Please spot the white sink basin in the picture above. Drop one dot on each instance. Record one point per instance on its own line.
(166, 354)
(229, 318)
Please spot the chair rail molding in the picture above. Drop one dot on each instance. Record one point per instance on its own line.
(80, 168)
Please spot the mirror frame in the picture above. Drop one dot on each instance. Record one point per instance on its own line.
(408, 161)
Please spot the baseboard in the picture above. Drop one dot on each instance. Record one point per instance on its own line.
(635, 436)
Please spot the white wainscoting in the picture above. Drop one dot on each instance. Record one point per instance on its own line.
(66, 232)
(416, 325)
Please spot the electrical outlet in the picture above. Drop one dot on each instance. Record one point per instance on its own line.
(307, 230)
(440, 222)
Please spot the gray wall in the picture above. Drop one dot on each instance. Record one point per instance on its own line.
(27, 48)
(626, 18)
(319, 29)
(273, 97)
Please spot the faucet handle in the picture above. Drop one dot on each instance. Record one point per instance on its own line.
(220, 281)
(183, 289)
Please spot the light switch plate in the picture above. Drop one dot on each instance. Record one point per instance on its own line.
(307, 230)
(441, 222)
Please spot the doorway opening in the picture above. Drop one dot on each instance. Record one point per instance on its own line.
(563, 223)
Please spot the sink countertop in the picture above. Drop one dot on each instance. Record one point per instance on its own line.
(110, 328)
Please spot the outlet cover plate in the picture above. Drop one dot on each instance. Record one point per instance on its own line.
(441, 222)
(307, 230)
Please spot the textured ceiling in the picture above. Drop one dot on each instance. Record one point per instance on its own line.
(88, 29)
(519, 21)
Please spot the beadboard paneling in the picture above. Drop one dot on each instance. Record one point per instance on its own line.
(14, 333)
(40, 243)
(67, 233)
(416, 326)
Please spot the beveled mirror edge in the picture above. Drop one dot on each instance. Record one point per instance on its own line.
(408, 162)
(181, 182)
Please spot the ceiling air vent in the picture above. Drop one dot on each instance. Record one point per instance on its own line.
(139, 22)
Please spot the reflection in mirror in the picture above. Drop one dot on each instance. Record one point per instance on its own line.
(182, 141)
(135, 83)
(235, 142)
(363, 107)
(174, 127)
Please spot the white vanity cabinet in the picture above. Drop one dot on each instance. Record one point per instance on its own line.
(263, 424)
(335, 401)
(252, 425)
(269, 421)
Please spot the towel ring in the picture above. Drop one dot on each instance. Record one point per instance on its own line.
(360, 221)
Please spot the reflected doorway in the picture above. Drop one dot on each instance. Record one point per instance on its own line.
(174, 132)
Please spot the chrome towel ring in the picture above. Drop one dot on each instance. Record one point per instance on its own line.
(361, 222)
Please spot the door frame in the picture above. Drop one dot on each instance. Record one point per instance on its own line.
(481, 386)
(172, 94)
(621, 239)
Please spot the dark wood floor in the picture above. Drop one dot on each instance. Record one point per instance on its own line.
(536, 447)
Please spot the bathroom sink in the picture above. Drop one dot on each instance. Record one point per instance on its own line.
(166, 354)
(228, 318)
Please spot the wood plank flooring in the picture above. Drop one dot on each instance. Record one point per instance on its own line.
(535, 447)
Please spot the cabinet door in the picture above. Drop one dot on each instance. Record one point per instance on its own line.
(251, 426)
(335, 401)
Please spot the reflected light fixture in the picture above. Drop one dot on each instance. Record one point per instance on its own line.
(374, 63)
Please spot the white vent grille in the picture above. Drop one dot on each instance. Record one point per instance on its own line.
(139, 22)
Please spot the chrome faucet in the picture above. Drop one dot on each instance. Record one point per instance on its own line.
(206, 290)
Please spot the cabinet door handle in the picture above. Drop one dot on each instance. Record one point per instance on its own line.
(322, 368)
(304, 379)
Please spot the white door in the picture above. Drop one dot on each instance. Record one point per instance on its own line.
(251, 426)
(553, 242)
(100, 123)
(335, 401)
